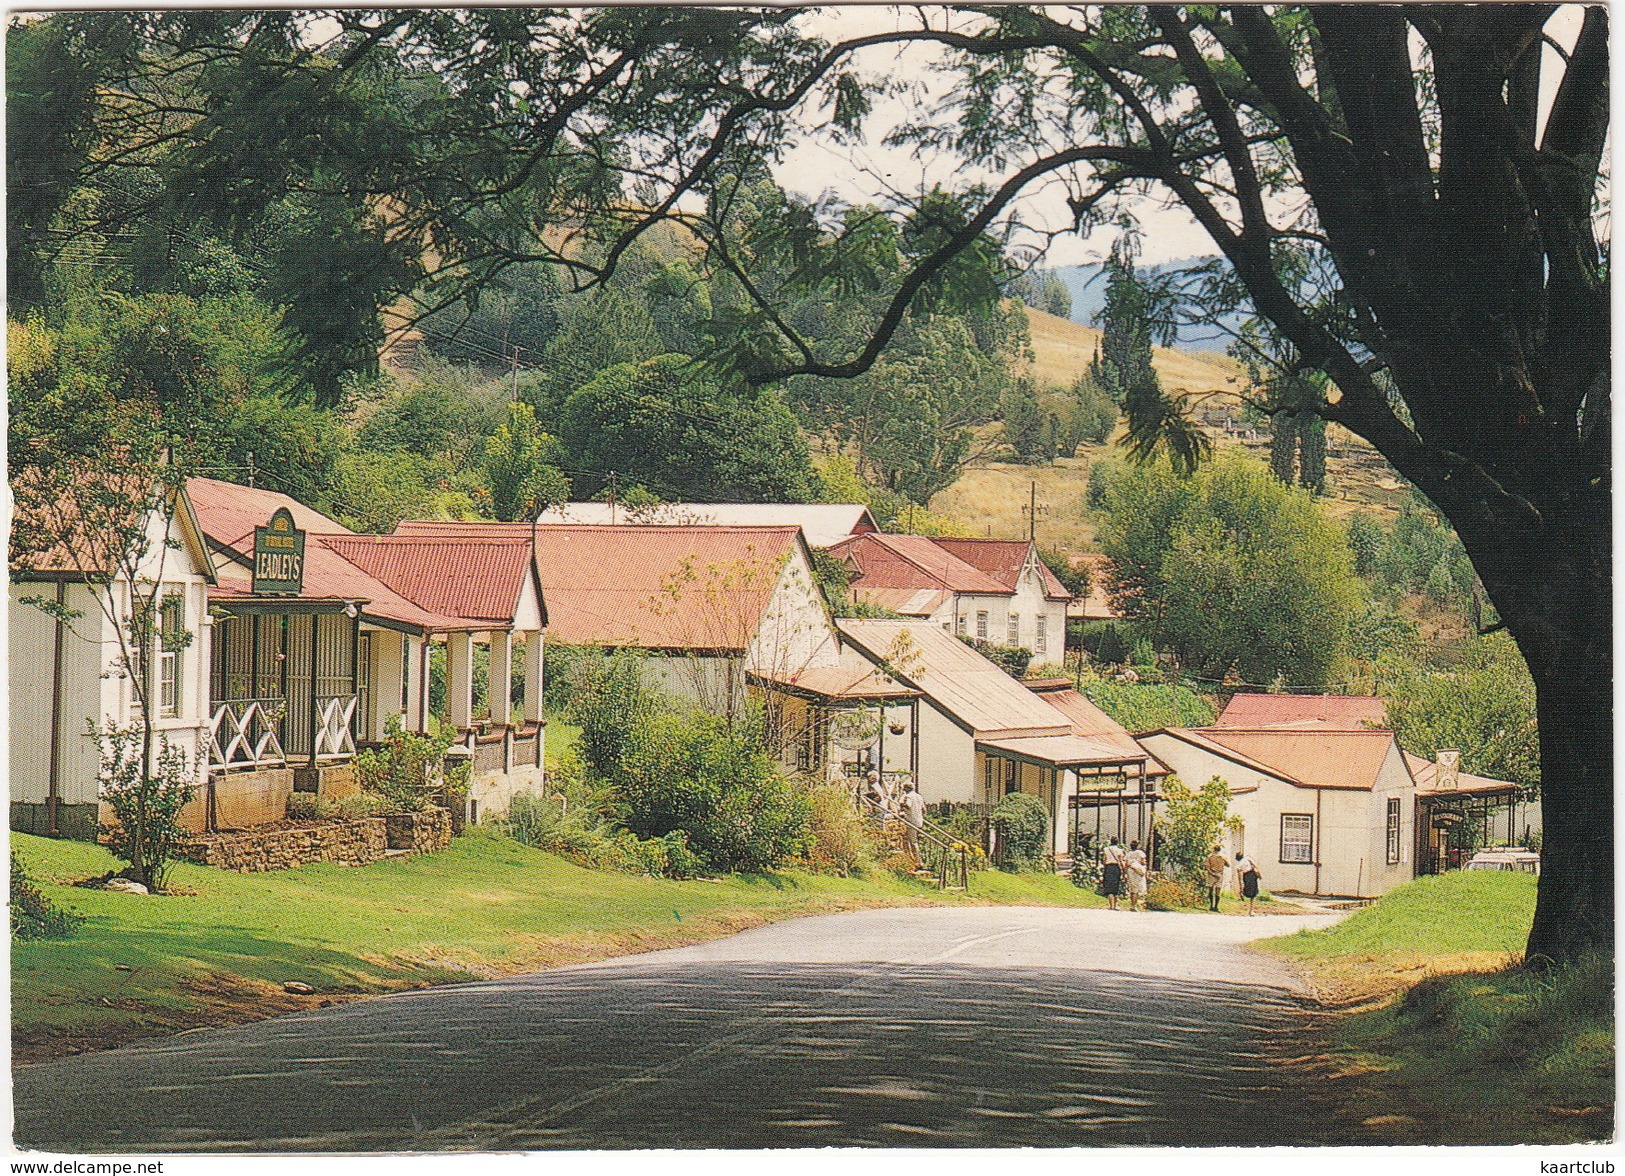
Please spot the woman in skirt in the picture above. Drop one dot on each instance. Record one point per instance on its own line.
(1111, 874)
(1249, 879)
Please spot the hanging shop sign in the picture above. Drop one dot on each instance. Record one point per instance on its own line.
(854, 730)
(279, 556)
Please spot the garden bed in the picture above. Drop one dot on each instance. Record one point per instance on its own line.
(286, 844)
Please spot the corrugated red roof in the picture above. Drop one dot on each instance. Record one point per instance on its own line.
(1089, 721)
(912, 561)
(229, 513)
(1003, 559)
(475, 578)
(1337, 712)
(653, 587)
(1316, 758)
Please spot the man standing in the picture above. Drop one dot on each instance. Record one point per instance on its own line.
(912, 808)
(1214, 867)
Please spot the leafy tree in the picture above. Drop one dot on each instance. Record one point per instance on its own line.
(1486, 710)
(664, 425)
(519, 469)
(1074, 580)
(1366, 542)
(1146, 706)
(1024, 421)
(1190, 824)
(1239, 574)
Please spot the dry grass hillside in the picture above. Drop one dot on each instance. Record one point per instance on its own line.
(992, 497)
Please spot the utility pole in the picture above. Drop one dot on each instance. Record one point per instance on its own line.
(251, 467)
(614, 496)
(513, 391)
(1032, 510)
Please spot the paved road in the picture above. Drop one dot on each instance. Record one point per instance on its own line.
(984, 1027)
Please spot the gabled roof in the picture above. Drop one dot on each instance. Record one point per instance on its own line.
(648, 586)
(1003, 560)
(1308, 758)
(977, 694)
(50, 539)
(1426, 774)
(823, 524)
(1339, 712)
(1090, 722)
(229, 512)
(476, 578)
(913, 561)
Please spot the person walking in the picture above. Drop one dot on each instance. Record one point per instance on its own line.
(912, 808)
(1248, 873)
(1138, 874)
(1111, 873)
(875, 794)
(1214, 867)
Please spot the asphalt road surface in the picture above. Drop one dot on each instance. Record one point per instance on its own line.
(934, 1027)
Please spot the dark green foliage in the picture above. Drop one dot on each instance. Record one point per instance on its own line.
(1012, 659)
(518, 463)
(1104, 641)
(1022, 825)
(663, 425)
(715, 783)
(1146, 706)
(1190, 824)
(33, 916)
(1366, 540)
(405, 770)
(1233, 571)
(1024, 422)
(1074, 580)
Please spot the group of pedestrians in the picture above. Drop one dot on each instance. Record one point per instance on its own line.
(1127, 871)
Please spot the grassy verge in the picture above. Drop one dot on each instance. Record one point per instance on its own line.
(220, 950)
(1443, 1038)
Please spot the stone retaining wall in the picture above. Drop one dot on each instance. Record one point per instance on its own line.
(419, 832)
(351, 843)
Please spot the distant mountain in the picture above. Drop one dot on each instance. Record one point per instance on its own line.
(1088, 289)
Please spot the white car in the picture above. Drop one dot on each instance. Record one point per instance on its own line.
(1511, 858)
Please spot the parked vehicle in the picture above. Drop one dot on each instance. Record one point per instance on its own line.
(1508, 858)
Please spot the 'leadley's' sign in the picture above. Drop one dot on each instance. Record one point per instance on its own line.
(279, 556)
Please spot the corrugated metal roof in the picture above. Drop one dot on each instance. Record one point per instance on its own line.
(913, 561)
(1319, 758)
(855, 677)
(1425, 773)
(911, 602)
(954, 676)
(823, 524)
(229, 513)
(1063, 751)
(648, 585)
(1089, 721)
(1342, 712)
(1003, 559)
(476, 578)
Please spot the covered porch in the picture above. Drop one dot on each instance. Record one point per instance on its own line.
(1092, 791)
(839, 723)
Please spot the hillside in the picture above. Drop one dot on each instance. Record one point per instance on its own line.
(991, 498)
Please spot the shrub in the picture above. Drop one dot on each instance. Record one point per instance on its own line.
(361, 804)
(841, 840)
(1191, 823)
(1085, 872)
(1023, 828)
(1173, 894)
(715, 782)
(607, 699)
(33, 916)
(301, 806)
(146, 809)
(404, 770)
(1012, 659)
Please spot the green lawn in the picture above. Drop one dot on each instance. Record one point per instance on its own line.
(1448, 1040)
(221, 950)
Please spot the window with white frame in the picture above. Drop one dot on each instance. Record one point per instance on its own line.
(1393, 831)
(1041, 634)
(1297, 838)
(1013, 630)
(981, 625)
(171, 641)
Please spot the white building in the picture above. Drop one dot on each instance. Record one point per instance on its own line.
(1323, 811)
(68, 673)
(994, 590)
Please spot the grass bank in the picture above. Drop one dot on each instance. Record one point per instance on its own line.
(220, 949)
(1442, 1037)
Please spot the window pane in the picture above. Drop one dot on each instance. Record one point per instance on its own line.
(1297, 838)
